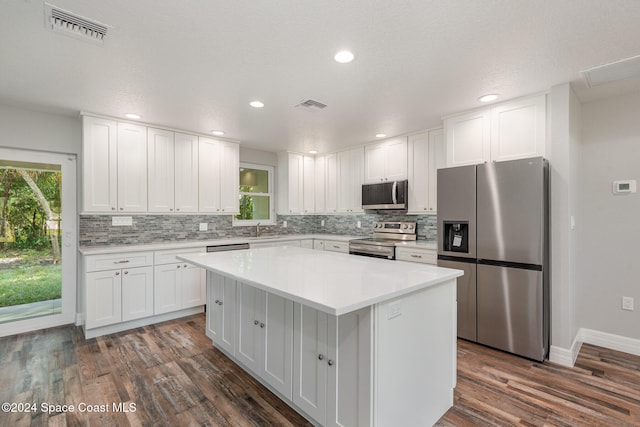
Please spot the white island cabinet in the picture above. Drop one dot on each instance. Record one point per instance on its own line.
(354, 341)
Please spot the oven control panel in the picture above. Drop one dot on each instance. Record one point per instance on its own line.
(395, 227)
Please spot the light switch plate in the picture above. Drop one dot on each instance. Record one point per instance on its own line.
(627, 303)
(121, 220)
(203, 226)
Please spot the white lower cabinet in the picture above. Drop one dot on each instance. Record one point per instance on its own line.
(178, 286)
(417, 254)
(121, 295)
(336, 246)
(265, 336)
(221, 311)
(332, 366)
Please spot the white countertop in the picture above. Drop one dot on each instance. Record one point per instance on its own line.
(334, 283)
(98, 250)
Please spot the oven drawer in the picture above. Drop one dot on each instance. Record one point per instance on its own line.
(425, 256)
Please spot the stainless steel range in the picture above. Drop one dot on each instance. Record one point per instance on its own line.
(385, 237)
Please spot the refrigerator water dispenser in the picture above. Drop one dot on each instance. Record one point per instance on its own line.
(456, 237)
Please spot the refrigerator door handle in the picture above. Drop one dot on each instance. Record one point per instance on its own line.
(394, 192)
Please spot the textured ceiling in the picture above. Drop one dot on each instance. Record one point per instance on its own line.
(196, 64)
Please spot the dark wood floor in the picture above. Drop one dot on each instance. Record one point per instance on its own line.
(174, 377)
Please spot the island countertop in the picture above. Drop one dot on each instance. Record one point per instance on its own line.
(334, 283)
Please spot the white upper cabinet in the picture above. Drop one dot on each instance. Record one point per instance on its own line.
(506, 131)
(319, 184)
(331, 183)
(296, 184)
(229, 166)
(290, 183)
(219, 175)
(426, 155)
(161, 170)
(350, 179)
(468, 138)
(100, 167)
(132, 168)
(386, 161)
(308, 185)
(518, 129)
(186, 173)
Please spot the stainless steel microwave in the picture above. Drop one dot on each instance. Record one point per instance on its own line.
(385, 195)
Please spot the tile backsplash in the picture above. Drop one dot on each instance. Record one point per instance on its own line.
(97, 230)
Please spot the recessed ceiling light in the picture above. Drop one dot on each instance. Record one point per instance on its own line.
(133, 116)
(217, 132)
(313, 152)
(256, 104)
(380, 135)
(344, 57)
(488, 98)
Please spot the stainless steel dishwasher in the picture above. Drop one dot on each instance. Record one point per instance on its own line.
(227, 247)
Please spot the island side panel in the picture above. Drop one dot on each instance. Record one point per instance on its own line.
(415, 357)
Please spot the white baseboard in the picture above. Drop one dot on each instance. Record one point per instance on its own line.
(567, 357)
(610, 341)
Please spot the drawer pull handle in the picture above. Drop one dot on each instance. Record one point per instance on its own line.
(416, 256)
(121, 262)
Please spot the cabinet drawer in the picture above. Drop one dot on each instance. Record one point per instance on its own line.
(334, 246)
(169, 256)
(115, 261)
(426, 256)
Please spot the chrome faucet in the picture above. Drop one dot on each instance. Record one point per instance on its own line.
(258, 230)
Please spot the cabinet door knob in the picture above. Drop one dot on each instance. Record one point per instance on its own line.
(330, 362)
(255, 322)
(217, 302)
(320, 356)
(117, 273)
(185, 266)
(126, 272)
(178, 266)
(113, 209)
(121, 209)
(262, 325)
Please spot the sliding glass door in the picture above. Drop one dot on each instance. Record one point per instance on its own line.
(37, 240)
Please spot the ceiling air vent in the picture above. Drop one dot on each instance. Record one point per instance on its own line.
(65, 22)
(311, 105)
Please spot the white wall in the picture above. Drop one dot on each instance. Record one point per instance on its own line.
(610, 231)
(33, 130)
(563, 152)
(250, 155)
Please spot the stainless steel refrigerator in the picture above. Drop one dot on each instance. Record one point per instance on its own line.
(493, 224)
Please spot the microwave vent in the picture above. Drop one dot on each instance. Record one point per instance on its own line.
(65, 22)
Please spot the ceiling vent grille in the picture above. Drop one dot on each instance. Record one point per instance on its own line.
(62, 21)
(311, 105)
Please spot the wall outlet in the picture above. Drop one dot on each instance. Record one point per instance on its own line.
(322, 223)
(284, 224)
(359, 224)
(627, 303)
(203, 226)
(394, 309)
(121, 220)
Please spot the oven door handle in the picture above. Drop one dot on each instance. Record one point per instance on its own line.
(370, 248)
(394, 192)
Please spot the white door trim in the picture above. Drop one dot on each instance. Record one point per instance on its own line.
(69, 224)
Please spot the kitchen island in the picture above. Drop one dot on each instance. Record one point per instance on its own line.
(343, 339)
